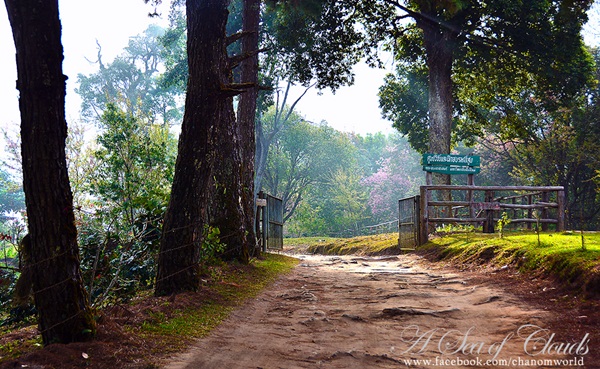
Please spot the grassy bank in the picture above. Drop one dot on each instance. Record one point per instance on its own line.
(150, 328)
(559, 255)
(382, 244)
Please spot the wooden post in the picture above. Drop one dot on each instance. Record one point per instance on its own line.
(529, 211)
(424, 222)
(399, 227)
(514, 201)
(417, 219)
(264, 220)
(488, 225)
(560, 199)
(544, 212)
(257, 222)
(470, 182)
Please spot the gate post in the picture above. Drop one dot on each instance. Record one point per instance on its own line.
(561, 210)
(529, 211)
(400, 219)
(264, 220)
(417, 220)
(488, 225)
(544, 212)
(424, 218)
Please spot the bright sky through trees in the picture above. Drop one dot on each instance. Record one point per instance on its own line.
(112, 22)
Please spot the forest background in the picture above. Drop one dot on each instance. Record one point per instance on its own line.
(121, 156)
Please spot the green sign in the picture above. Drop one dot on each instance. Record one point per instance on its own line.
(452, 160)
(451, 169)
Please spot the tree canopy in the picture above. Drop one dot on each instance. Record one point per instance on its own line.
(133, 82)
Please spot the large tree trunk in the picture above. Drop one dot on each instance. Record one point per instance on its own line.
(439, 43)
(439, 63)
(439, 48)
(207, 186)
(247, 113)
(227, 207)
(63, 310)
(229, 202)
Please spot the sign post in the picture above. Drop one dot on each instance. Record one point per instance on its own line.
(453, 164)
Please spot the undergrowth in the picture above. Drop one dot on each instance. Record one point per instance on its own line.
(230, 287)
(165, 325)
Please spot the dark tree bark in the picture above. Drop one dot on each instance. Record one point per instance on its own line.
(247, 112)
(64, 314)
(227, 208)
(439, 48)
(228, 202)
(207, 160)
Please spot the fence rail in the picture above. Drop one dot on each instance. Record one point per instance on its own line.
(380, 228)
(481, 205)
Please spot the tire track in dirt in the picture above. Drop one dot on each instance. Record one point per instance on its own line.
(368, 312)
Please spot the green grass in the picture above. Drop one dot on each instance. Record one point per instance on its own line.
(235, 286)
(381, 244)
(7, 251)
(190, 323)
(557, 254)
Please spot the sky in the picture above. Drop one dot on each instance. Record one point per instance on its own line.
(112, 22)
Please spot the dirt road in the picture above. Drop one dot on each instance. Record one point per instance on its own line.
(363, 312)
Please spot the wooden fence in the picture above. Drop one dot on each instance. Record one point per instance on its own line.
(483, 205)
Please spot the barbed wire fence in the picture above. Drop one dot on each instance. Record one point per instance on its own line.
(42, 265)
(380, 228)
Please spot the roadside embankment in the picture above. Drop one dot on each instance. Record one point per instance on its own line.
(570, 258)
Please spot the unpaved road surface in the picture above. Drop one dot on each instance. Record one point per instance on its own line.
(390, 312)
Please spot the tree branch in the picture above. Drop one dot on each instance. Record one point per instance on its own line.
(234, 89)
(418, 16)
(235, 60)
(236, 36)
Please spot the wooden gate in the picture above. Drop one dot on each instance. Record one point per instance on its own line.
(270, 224)
(408, 222)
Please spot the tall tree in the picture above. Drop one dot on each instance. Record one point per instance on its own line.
(132, 82)
(543, 36)
(269, 125)
(64, 314)
(246, 114)
(302, 156)
(539, 37)
(207, 160)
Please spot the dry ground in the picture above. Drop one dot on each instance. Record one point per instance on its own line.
(360, 312)
(390, 312)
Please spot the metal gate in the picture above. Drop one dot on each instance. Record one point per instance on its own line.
(270, 227)
(408, 222)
